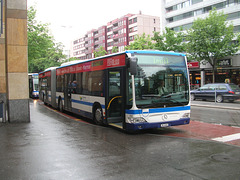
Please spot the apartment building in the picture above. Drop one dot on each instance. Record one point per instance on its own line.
(116, 33)
(182, 13)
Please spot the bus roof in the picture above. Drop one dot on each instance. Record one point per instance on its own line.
(154, 52)
(33, 74)
(124, 52)
(48, 69)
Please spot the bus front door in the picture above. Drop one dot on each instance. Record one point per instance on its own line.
(115, 105)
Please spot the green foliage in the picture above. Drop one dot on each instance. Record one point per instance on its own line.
(43, 52)
(140, 43)
(210, 39)
(169, 41)
(114, 49)
(100, 52)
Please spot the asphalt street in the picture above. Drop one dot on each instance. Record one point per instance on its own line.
(54, 146)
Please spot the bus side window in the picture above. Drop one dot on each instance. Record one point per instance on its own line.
(97, 83)
(79, 83)
(85, 82)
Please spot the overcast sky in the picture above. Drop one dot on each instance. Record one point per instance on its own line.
(70, 19)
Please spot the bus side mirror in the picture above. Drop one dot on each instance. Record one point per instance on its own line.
(133, 65)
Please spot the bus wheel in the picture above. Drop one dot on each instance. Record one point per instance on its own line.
(60, 105)
(98, 115)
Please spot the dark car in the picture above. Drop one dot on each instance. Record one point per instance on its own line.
(220, 91)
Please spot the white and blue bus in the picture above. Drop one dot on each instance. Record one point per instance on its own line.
(132, 90)
(33, 85)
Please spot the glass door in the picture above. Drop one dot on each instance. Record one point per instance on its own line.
(115, 107)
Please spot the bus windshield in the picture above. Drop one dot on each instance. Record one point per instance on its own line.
(35, 84)
(161, 81)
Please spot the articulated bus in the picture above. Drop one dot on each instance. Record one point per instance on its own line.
(33, 85)
(131, 90)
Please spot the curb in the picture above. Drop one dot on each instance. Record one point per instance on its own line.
(214, 106)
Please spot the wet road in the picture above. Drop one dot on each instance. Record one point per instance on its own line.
(53, 146)
(216, 116)
(217, 113)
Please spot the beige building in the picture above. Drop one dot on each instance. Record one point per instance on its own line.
(14, 102)
(140, 23)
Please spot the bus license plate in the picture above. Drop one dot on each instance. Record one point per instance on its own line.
(165, 125)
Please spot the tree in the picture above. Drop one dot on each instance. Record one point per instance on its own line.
(169, 41)
(100, 52)
(141, 42)
(211, 39)
(43, 52)
(114, 49)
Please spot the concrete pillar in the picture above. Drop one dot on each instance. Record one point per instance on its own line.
(14, 61)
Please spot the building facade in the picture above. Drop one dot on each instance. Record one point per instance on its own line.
(14, 92)
(182, 13)
(117, 33)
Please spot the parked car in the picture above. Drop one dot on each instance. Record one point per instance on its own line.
(220, 91)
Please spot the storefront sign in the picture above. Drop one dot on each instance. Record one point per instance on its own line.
(1, 17)
(193, 64)
(224, 62)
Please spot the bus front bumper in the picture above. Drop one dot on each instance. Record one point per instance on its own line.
(146, 125)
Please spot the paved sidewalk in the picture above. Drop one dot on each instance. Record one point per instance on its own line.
(212, 104)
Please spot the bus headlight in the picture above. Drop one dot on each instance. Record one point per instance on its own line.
(186, 115)
(136, 119)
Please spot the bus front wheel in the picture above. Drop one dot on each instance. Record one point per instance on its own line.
(98, 115)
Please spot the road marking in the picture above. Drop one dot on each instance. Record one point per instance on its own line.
(231, 137)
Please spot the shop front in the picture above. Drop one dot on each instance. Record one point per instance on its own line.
(194, 74)
(228, 71)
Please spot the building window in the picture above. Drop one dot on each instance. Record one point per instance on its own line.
(196, 1)
(135, 20)
(236, 29)
(207, 9)
(131, 38)
(198, 12)
(232, 2)
(232, 16)
(183, 5)
(183, 27)
(220, 5)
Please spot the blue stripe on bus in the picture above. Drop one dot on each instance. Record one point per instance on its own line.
(159, 110)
